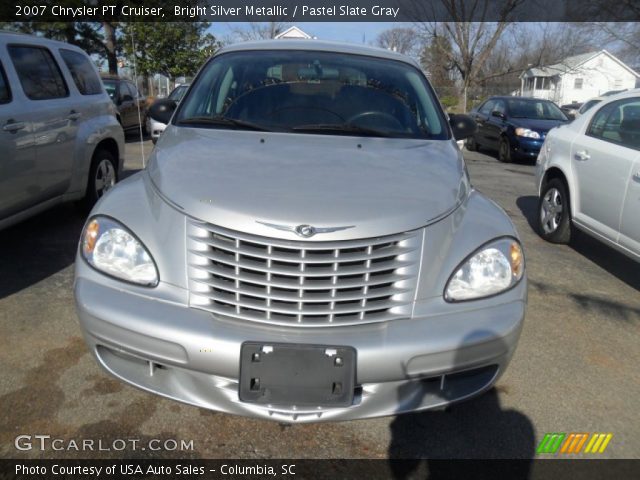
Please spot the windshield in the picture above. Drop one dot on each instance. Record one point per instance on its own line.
(178, 93)
(313, 92)
(537, 110)
(110, 86)
(588, 105)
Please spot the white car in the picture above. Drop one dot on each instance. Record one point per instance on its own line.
(156, 127)
(588, 105)
(588, 176)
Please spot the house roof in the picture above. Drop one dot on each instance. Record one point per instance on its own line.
(571, 63)
(293, 32)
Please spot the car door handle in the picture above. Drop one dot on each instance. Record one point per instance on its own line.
(73, 115)
(13, 126)
(582, 155)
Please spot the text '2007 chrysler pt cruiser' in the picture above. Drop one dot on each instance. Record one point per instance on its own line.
(304, 245)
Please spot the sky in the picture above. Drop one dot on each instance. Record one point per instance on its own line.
(352, 32)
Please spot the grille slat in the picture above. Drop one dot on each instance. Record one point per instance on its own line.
(301, 283)
(309, 296)
(367, 253)
(292, 282)
(302, 270)
(309, 308)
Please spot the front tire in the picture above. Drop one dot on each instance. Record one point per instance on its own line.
(504, 150)
(103, 175)
(554, 213)
(471, 144)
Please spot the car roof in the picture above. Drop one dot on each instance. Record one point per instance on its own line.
(513, 97)
(26, 39)
(319, 46)
(634, 92)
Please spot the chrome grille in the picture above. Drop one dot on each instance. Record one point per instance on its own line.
(301, 282)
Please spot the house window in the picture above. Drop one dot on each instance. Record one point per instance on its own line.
(578, 84)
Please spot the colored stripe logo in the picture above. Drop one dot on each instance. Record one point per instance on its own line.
(573, 443)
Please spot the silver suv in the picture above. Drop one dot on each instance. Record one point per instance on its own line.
(305, 245)
(59, 136)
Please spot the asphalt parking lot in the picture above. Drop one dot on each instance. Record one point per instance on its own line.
(574, 369)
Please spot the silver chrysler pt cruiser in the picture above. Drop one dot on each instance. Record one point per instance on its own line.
(305, 245)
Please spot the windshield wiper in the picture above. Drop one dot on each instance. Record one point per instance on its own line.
(224, 121)
(342, 128)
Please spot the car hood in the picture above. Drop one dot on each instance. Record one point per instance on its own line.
(542, 126)
(375, 186)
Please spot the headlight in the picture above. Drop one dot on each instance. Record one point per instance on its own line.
(109, 247)
(525, 132)
(494, 268)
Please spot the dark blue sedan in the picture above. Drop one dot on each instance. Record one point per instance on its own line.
(514, 126)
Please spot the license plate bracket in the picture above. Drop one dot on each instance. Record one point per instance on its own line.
(297, 374)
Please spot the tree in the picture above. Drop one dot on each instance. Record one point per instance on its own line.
(624, 36)
(111, 46)
(438, 66)
(399, 39)
(98, 38)
(259, 31)
(528, 45)
(171, 49)
(473, 37)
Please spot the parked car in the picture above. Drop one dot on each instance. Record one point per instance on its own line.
(155, 127)
(59, 137)
(588, 176)
(571, 109)
(514, 126)
(132, 107)
(613, 92)
(306, 245)
(588, 104)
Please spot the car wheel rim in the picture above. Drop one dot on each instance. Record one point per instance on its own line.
(551, 211)
(105, 177)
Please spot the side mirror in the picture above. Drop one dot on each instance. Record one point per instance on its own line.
(162, 110)
(463, 126)
(498, 114)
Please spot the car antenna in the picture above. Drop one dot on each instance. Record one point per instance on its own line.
(135, 77)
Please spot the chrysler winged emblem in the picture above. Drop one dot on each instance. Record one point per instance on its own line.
(304, 230)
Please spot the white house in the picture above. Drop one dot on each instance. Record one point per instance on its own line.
(578, 78)
(293, 32)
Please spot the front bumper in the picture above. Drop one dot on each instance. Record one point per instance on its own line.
(528, 148)
(155, 128)
(190, 355)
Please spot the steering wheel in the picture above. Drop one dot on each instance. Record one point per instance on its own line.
(369, 119)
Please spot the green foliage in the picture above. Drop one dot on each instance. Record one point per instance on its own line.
(449, 101)
(172, 49)
(86, 35)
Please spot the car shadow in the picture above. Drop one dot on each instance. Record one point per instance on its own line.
(528, 205)
(514, 161)
(134, 136)
(39, 247)
(128, 172)
(475, 429)
(607, 258)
